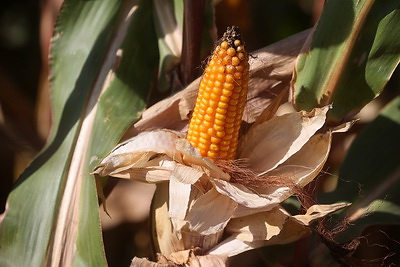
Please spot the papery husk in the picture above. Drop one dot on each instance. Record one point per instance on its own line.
(243, 238)
(156, 156)
(274, 141)
(183, 258)
(259, 226)
(318, 211)
(278, 184)
(164, 238)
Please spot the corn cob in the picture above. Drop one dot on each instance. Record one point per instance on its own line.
(214, 127)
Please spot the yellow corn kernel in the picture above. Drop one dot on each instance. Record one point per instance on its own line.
(214, 127)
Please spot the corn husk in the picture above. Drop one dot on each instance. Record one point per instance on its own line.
(197, 202)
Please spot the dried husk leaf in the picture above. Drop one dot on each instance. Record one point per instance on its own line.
(210, 213)
(303, 166)
(183, 258)
(294, 228)
(271, 143)
(137, 151)
(259, 226)
(179, 196)
(232, 246)
(191, 157)
(165, 238)
(209, 260)
(318, 211)
(242, 195)
(142, 262)
(291, 231)
(300, 169)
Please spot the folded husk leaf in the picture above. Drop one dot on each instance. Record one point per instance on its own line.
(183, 258)
(294, 228)
(270, 143)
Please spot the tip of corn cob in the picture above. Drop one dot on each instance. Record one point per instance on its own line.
(231, 35)
(214, 127)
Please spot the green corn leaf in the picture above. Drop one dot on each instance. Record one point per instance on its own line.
(101, 74)
(350, 56)
(370, 174)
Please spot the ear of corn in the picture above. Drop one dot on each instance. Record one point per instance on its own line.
(214, 127)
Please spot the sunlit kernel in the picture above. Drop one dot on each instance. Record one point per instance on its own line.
(210, 131)
(227, 60)
(228, 86)
(214, 96)
(239, 68)
(229, 78)
(217, 90)
(230, 69)
(223, 105)
(226, 93)
(220, 116)
(207, 117)
(210, 110)
(224, 99)
(221, 110)
(202, 146)
(203, 135)
(215, 140)
(225, 142)
(237, 75)
(202, 128)
(218, 128)
(224, 45)
(213, 103)
(204, 141)
(231, 51)
(214, 147)
(235, 61)
(220, 134)
(219, 122)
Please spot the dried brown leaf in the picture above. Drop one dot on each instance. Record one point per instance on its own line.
(271, 143)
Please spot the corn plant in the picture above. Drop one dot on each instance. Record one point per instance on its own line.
(231, 174)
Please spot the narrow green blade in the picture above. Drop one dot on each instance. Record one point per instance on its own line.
(350, 56)
(101, 74)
